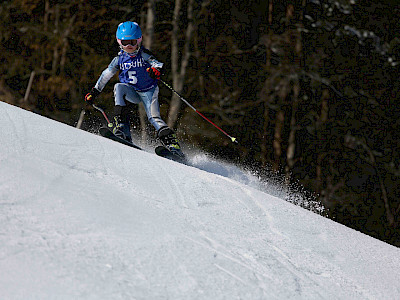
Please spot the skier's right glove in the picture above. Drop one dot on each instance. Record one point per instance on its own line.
(91, 96)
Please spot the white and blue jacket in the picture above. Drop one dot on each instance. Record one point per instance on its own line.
(132, 70)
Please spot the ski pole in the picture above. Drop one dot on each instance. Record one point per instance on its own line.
(233, 139)
(104, 114)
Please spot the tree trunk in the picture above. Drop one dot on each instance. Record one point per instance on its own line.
(55, 40)
(147, 43)
(290, 160)
(179, 72)
(324, 107)
(28, 89)
(270, 11)
(277, 144)
(323, 118)
(46, 14)
(80, 120)
(149, 28)
(268, 42)
(320, 159)
(389, 214)
(264, 144)
(67, 32)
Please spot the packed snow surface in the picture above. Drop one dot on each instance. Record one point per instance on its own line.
(83, 217)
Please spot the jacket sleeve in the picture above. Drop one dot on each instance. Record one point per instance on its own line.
(150, 58)
(107, 74)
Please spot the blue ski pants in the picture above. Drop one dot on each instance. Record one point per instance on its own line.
(125, 92)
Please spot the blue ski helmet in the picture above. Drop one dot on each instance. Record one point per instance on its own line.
(128, 31)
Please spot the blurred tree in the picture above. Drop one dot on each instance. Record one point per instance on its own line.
(180, 54)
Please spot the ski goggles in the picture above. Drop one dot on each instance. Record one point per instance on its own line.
(129, 42)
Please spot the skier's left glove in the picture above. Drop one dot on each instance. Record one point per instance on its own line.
(154, 73)
(91, 96)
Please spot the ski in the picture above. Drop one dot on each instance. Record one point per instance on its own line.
(159, 150)
(107, 133)
(164, 152)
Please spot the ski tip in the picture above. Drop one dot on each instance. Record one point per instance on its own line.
(234, 140)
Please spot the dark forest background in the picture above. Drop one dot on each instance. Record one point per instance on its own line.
(308, 87)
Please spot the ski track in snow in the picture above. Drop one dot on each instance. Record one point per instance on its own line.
(83, 217)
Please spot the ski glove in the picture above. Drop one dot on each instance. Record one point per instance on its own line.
(154, 73)
(89, 98)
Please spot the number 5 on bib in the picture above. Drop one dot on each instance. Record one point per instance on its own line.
(132, 77)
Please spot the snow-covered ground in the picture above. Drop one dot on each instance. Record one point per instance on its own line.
(82, 217)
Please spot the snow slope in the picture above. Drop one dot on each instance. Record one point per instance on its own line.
(82, 217)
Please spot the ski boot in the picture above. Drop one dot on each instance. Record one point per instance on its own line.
(168, 138)
(121, 129)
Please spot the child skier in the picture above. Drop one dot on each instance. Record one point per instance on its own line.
(138, 74)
